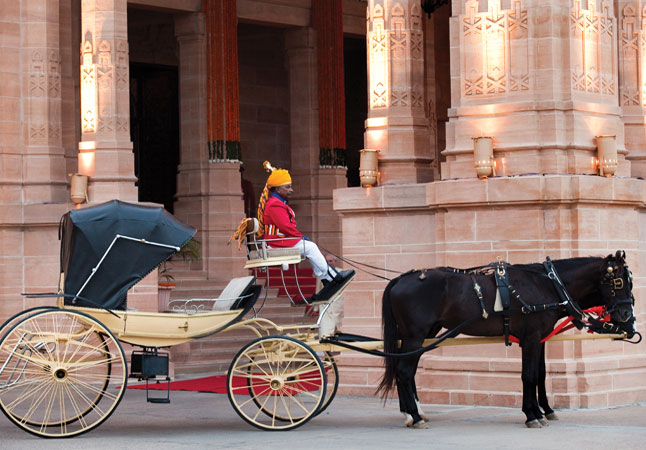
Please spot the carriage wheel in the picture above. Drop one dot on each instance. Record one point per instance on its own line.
(56, 367)
(11, 321)
(275, 383)
(332, 375)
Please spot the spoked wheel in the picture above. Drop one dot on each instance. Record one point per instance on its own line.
(55, 368)
(332, 375)
(11, 321)
(276, 383)
(332, 384)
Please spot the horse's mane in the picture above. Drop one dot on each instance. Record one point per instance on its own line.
(531, 267)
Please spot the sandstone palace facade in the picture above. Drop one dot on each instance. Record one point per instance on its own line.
(165, 101)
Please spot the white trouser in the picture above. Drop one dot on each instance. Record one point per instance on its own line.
(321, 268)
(331, 320)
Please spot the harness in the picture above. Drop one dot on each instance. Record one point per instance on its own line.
(505, 291)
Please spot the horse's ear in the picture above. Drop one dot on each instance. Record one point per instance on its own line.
(620, 256)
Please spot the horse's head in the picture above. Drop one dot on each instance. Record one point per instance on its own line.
(616, 291)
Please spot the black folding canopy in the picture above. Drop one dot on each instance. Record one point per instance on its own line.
(148, 236)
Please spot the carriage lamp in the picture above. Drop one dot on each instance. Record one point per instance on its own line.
(78, 188)
(483, 156)
(607, 155)
(368, 167)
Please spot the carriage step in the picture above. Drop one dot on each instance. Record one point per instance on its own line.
(158, 400)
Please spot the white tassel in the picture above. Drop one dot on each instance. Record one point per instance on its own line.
(268, 167)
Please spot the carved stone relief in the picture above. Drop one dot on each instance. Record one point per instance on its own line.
(592, 48)
(378, 58)
(632, 35)
(495, 49)
(88, 88)
(43, 119)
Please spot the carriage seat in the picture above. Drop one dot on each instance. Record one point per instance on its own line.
(260, 254)
(229, 299)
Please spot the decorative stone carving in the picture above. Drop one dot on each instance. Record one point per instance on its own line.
(378, 56)
(88, 88)
(37, 79)
(592, 48)
(632, 48)
(495, 57)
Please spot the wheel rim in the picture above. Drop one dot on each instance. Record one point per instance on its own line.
(276, 383)
(332, 376)
(58, 366)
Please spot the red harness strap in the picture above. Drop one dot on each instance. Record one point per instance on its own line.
(567, 324)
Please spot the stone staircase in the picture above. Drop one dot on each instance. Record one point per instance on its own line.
(212, 355)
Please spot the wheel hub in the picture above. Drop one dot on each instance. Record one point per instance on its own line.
(276, 383)
(60, 374)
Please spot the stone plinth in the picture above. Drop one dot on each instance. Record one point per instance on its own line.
(465, 223)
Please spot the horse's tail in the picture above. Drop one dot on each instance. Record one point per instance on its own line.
(390, 342)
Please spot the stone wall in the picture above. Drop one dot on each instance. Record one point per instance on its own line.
(464, 223)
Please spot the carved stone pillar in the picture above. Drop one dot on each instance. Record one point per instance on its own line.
(105, 148)
(397, 123)
(44, 177)
(543, 112)
(631, 22)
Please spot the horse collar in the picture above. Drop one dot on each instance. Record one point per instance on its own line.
(566, 300)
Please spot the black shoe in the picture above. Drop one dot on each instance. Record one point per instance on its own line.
(343, 276)
(332, 287)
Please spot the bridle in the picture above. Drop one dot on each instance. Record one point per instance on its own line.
(613, 282)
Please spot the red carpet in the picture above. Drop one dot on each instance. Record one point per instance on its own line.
(218, 384)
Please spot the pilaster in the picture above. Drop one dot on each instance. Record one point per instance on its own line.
(105, 147)
(631, 23)
(397, 123)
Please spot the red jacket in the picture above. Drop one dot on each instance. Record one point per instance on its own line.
(280, 222)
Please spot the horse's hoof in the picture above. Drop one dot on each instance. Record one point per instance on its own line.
(420, 425)
(543, 421)
(408, 420)
(533, 424)
(552, 416)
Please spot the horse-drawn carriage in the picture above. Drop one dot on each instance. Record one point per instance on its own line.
(63, 370)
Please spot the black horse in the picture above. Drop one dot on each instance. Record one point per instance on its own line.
(418, 304)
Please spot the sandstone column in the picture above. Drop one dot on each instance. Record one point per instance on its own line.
(631, 23)
(209, 195)
(313, 182)
(397, 123)
(105, 101)
(543, 112)
(33, 184)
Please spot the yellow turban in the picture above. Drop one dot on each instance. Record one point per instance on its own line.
(279, 177)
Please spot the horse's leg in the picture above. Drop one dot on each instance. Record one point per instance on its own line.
(406, 369)
(531, 353)
(542, 393)
(419, 406)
